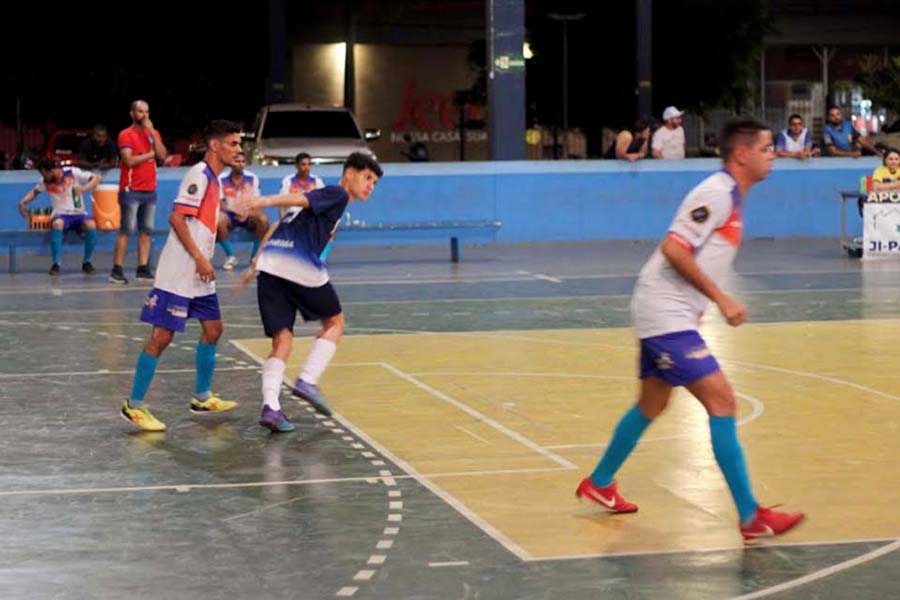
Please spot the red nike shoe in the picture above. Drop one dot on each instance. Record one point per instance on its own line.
(608, 497)
(768, 523)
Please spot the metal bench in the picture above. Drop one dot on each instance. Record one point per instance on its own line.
(454, 230)
(429, 229)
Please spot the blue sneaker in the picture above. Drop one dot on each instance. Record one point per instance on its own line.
(275, 420)
(311, 394)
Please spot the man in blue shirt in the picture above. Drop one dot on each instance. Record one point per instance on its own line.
(841, 138)
(292, 278)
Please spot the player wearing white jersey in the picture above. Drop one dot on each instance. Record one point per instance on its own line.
(185, 286)
(66, 187)
(239, 182)
(673, 289)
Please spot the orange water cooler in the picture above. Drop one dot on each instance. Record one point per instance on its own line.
(106, 207)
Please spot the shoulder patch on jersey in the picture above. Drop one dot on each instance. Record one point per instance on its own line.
(192, 189)
(700, 215)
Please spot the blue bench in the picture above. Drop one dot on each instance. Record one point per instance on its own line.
(454, 230)
(39, 239)
(426, 230)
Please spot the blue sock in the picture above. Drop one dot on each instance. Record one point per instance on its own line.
(627, 433)
(56, 239)
(90, 242)
(143, 375)
(227, 247)
(255, 249)
(205, 361)
(730, 457)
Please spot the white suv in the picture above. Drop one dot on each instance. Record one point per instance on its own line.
(327, 134)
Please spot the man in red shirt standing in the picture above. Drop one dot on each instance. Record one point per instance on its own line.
(140, 147)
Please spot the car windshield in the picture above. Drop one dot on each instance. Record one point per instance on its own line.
(310, 124)
(68, 143)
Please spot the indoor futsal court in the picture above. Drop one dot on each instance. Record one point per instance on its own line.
(470, 400)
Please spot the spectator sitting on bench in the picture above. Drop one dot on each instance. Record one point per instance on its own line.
(65, 187)
(236, 184)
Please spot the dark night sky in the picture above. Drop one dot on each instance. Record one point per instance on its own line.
(78, 66)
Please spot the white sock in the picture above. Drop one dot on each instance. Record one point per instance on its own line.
(272, 377)
(321, 354)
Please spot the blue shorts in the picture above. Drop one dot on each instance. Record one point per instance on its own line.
(679, 358)
(171, 311)
(236, 222)
(72, 222)
(138, 211)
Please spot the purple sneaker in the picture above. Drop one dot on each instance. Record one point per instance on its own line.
(311, 394)
(275, 420)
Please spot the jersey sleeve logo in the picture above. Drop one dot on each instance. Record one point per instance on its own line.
(700, 215)
(192, 189)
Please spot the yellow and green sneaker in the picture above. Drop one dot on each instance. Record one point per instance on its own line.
(142, 417)
(211, 404)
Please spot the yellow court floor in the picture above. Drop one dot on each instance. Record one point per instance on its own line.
(504, 424)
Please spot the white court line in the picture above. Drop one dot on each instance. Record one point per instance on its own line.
(187, 487)
(425, 481)
(822, 573)
(543, 277)
(109, 372)
(524, 374)
(758, 409)
(473, 434)
(480, 417)
(737, 547)
(827, 378)
(435, 300)
(449, 563)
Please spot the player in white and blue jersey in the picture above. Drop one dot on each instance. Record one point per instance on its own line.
(673, 290)
(292, 277)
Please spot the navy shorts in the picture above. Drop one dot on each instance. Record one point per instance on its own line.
(72, 222)
(235, 221)
(679, 358)
(280, 300)
(171, 311)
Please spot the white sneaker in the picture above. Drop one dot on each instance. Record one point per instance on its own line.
(230, 263)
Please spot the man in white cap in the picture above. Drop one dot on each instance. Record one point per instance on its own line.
(668, 140)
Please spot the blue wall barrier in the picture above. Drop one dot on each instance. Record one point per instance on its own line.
(540, 201)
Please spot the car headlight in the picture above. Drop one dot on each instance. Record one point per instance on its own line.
(268, 161)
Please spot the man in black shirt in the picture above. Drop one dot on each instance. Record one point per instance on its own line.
(98, 151)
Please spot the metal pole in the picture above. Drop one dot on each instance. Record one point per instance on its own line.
(565, 90)
(762, 84)
(644, 57)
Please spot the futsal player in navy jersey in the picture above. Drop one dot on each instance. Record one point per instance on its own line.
(291, 277)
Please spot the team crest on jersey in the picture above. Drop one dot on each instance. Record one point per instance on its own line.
(698, 353)
(664, 362)
(700, 215)
(192, 189)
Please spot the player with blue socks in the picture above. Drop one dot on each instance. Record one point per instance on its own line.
(185, 286)
(673, 290)
(66, 186)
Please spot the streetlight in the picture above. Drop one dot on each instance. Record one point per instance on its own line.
(565, 20)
